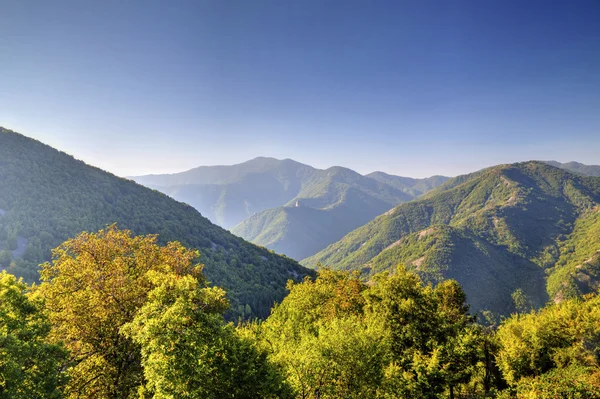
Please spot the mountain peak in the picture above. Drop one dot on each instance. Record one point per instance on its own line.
(510, 216)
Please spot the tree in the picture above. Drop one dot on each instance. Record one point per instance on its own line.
(557, 337)
(319, 336)
(95, 284)
(337, 337)
(521, 301)
(434, 345)
(5, 258)
(188, 351)
(573, 382)
(29, 366)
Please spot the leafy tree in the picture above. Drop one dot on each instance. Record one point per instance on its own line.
(12, 241)
(5, 258)
(319, 336)
(542, 348)
(522, 303)
(434, 345)
(29, 366)
(573, 382)
(95, 284)
(188, 351)
(337, 337)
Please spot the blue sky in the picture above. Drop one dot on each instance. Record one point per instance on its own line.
(408, 87)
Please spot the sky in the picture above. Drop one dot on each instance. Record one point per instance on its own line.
(414, 88)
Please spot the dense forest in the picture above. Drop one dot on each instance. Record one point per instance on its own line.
(47, 196)
(120, 316)
(523, 229)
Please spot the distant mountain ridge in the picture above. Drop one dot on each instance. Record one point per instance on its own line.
(287, 206)
(588, 170)
(228, 194)
(527, 226)
(47, 196)
(414, 187)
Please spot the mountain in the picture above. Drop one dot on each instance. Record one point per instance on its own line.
(588, 170)
(287, 206)
(526, 226)
(229, 194)
(414, 187)
(324, 210)
(47, 196)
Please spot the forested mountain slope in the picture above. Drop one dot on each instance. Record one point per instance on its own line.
(496, 231)
(323, 212)
(47, 196)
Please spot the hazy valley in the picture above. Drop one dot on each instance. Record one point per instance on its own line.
(291, 208)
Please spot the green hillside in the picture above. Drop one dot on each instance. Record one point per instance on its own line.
(47, 196)
(488, 273)
(324, 211)
(502, 221)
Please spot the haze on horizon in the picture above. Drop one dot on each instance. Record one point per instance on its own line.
(414, 88)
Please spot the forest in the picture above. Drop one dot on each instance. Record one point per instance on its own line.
(122, 316)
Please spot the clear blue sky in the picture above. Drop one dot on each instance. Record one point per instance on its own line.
(408, 87)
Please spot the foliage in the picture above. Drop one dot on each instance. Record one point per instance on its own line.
(95, 284)
(339, 338)
(47, 196)
(139, 319)
(541, 351)
(574, 382)
(187, 351)
(30, 367)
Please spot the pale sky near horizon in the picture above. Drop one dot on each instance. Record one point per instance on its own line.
(413, 88)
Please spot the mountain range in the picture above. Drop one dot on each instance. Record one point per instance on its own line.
(47, 196)
(287, 206)
(527, 228)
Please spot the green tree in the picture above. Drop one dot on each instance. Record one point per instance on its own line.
(552, 344)
(30, 367)
(95, 284)
(337, 337)
(188, 351)
(12, 241)
(521, 301)
(573, 382)
(434, 344)
(319, 336)
(5, 258)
